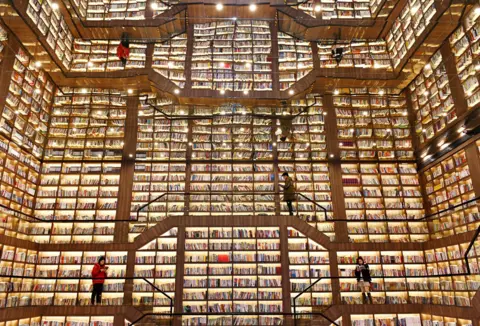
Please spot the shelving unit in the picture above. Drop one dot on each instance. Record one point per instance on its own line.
(414, 18)
(52, 25)
(464, 45)
(156, 261)
(375, 192)
(340, 9)
(408, 319)
(362, 54)
(432, 100)
(232, 270)
(232, 55)
(295, 59)
(87, 124)
(111, 9)
(372, 125)
(448, 183)
(169, 59)
(308, 261)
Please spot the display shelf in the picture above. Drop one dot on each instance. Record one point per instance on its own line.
(87, 124)
(232, 189)
(431, 99)
(448, 183)
(363, 54)
(408, 319)
(232, 55)
(295, 59)
(151, 180)
(377, 191)
(413, 20)
(61, 321)
(327, 9)
(77, 192)
(372, 125)
(52, 25)
(308, 261)
(312, 181)
(232, 270)
(464, 45)
(111, 9)
(26, 113)
(156, 261)
(169, 59)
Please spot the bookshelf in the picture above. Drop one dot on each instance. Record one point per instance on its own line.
(327, 10)
(61, 321)
(431, 98)
(17, 261)
(169, 59)
(448, 183)
(295, 59)
(374, 192)
(156, 261)
(52, 25)
(87, 124)
(372, 125)
(408, 27)
(363, 54)
(232, 270)
(26, 113)
(232, 55)
(308, 261)
(111, 9)
(408, 319)
(464, 44)
(77, 192)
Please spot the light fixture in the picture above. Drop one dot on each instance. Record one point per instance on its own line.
(84, 91)
(89, 64)
(248, 65)
(444, 146)
(331, 155)
(291, 92)
(193, 155)
(245, 92)
(424, 130)
(461, 129)
(154, 6)
(176, 91)
(274, 144)
(308, 144)
(38, 64)
(130, 91)
(219, 6)
(336, 92)
(318, 8)
(381, 92)
(427, 157)
(222, 64)
(130, 155)
(252, 7)
(222, 91)
(376, 65)
(222, 113)
(182, 112)
(324, 112)
(352, 130)
(242, 129)
(234, 18)
(55, 6)
(244, 112)
(423, 155)
(170, 64)
(240, 144)
(425, 93)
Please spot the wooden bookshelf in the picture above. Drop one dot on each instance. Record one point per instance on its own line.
(372, 125)
(374, 192)
(330, 10)
(169, 59)
(464, 43)
(448, 183)
(408, 319)
(232, 270)
(295, 60)
(61, 321)
(112, 9)
(432, 101)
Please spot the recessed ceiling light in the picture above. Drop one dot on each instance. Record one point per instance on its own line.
(190, 144)
(130, 155)
(381, 92)
(55, 6)
(234, 18)
(222, 91)
(461, 129)
(291, 92)
(182, 112)
(318, 8)
(219, 6)
(154, 6)
(245, 92)
(336, 92)
(331, 155)
(274, 144)
(84, 91)
(130, 91)
(38, 64)
(252, 7)
(176, 91)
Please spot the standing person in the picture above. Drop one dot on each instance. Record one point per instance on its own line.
(99, 273)
(288, 192)
(362, 272)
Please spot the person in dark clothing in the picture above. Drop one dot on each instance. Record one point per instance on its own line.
(99, 273)
(362, 273)
(288, 192)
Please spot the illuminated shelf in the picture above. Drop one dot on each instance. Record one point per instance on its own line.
(295, 59)
(327, 9)
(169, 59)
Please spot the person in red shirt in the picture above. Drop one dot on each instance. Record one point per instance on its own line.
(99, 273)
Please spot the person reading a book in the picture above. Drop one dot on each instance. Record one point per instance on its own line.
(99, 273)
(362, 273)
(288, 191)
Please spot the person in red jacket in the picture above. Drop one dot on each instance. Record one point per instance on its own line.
(99, 273)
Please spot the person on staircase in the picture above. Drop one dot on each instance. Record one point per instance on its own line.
(362, 273)
(288, 191)
(99, 273)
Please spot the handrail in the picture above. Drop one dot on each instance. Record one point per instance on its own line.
(472, 242)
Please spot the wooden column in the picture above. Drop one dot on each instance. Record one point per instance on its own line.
(119, 320)
(274, 56)
(335, 169)
(285, 268)
(455, 85)
(128, 287)
(126, 171)
(188, 60)
(180, 270)
(332, 256)
(473, 161)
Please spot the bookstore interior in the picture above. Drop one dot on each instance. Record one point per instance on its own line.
(239, 162)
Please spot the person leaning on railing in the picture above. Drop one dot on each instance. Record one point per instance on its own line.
(288, 192)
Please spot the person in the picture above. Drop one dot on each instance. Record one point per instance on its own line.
(362, 272)
(99, 273)
(288, 191)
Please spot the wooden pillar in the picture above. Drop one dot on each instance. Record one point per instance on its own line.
(128, 287)
(332, 256)
(455, 85)
(188, 60)
(274, 56)
(285, 268)
(180, 270)
(126, 171)
(335, 169)
(473, 161)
